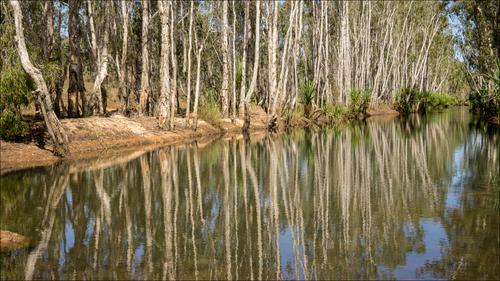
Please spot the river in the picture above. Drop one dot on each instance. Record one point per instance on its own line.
(415, 198)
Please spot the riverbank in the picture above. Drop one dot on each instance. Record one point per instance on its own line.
(102, 137)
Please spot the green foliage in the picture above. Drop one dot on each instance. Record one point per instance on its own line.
(438, 100)
(12, 126)
(15, 89)
(406, 100)
(308, 92)
(239, 73)
(335, 111)
(209, 109)
(486, 101)
(360, 99)
(411, 100)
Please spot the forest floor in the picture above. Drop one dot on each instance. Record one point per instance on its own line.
(104, 137)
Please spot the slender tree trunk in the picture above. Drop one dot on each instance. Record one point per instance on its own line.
(225, 60)
(174, 98)
(190, 48)
(163, 102)
(123, 61)
(76, 85)
(233, 49)
(272, 56)
(197, 87)
(54, 127)
(97, 101)
(246, 33)
(253, 83)
(145, 88)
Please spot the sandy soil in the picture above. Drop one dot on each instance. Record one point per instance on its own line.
(10, 240)
(112, 137)
(97, 137)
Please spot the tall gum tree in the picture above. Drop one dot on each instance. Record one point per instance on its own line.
(54, 127)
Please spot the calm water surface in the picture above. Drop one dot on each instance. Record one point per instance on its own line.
(414, 199)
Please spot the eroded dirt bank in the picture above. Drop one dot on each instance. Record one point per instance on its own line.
(104, 137)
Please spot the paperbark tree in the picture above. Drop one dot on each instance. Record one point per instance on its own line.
(190, 48)
(54, 127)
(225, 61)
(145, 87)
(76, 85)
(253, 83)
(124, 6)
(100, 49)
(165, 90)
(246, 33)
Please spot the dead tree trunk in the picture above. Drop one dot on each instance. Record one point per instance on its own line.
(54, 127)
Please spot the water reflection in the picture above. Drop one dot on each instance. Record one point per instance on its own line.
(416, 198)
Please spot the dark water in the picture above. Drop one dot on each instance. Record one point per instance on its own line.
(387, 199)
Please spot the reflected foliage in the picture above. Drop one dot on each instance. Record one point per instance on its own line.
(375, 200)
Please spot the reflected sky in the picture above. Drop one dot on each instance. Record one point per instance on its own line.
(395, 199)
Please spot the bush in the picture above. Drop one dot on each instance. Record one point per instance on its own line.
(15, 89)
(406, 100)
(438, 100)
(335, 111)
(12, 126)
(308, 93)
(485, 101)
(209, 109)
(360, 99)
(411, 100)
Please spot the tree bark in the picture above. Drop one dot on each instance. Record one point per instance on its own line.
(253, 83)
(145, 88)
(225, 60)
(246, 33)
(123, 61)
(197, 87)
(190, 48)
(163, 102)
(76, 85)
(174, 98)
(54, 127)
(97, 104)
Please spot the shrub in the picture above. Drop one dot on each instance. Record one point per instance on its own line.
(486, 101)
(308, 93)
(15, 89)
(406, 100)
(12, 126)
(411, 100)
(335, 111)
(209, 109)
(360, 99)
(438, 100)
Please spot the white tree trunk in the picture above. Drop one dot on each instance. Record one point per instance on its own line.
(225, 60)
(145, 88)
(188, 86)
(123, 62)
(253, 83)
(163, 101)
(54, 127)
